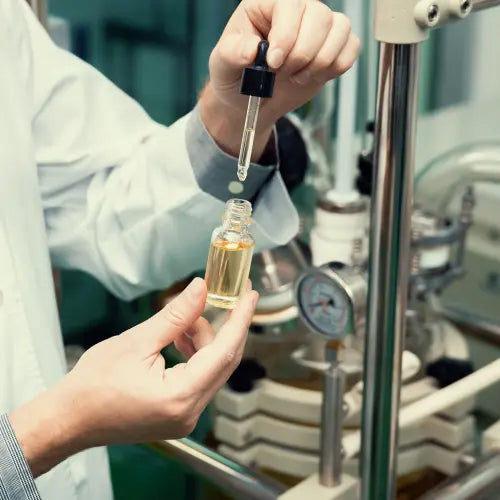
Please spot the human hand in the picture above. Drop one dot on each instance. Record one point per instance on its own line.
(120, 392)
(308, 45)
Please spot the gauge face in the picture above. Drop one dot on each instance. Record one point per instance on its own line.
(323, 305)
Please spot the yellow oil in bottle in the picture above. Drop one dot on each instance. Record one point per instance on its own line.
(227, 272)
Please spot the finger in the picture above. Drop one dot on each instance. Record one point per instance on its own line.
(317, 22)
(286, 16)
(233, 333)
(346, 58)
(174, 319)
(234, 52)
(200, 333)
(210, 367)
(185, 346)
(334, 43)
(158, 365)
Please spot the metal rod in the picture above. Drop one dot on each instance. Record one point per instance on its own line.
(484, 4)
(39, 7)
(482, 480)
(330, 464)
(389, 266)
(224, 473)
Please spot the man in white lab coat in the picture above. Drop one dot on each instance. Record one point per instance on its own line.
(89, 181)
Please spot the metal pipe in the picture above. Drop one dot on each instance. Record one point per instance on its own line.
(481, 481)
(388, 266)
(484, 4)
(438, 182)
(40, 9)
(228, 475)
(330, 464)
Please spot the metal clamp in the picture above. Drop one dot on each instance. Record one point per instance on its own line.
(432, 13)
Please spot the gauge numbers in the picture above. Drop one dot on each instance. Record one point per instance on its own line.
(323, 305)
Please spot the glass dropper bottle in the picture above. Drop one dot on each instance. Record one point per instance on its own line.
(230, 256)
(256, 82)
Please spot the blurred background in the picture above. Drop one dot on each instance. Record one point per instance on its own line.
(157, 51)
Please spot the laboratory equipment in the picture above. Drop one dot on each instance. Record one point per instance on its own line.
(230, 256)
(416, 253)
(332, 300)
(258, 83)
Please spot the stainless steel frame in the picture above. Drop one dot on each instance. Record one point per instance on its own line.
(481, 481)
(389, 266)
(330, 464)
(484, 4)
(224, 473)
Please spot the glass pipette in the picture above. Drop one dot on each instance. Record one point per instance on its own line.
(257, 82)
(248, 135)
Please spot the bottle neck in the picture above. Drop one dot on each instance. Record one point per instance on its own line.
(237, 215)
(233, 224)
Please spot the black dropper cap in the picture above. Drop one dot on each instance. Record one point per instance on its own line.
(258, 80)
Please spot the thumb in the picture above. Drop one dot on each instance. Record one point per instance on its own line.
(234, 52)
(174, 319)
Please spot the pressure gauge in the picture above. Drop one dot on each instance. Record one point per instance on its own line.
(332, 299)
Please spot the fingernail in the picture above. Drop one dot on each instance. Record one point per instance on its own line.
(255, 298)
(302, 78)
(275, 58)
(249, 285)
(195, 289)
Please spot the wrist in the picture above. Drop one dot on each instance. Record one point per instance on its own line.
(47, 429)
(225, 123)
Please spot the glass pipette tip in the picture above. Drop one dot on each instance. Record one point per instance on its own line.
(248, 137)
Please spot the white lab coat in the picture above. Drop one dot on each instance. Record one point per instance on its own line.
(89, 182)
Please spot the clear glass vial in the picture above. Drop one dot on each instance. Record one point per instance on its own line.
(230, 256)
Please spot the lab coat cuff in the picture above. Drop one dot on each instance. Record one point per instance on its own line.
(275, 218)
(215, 170)
(16, 479)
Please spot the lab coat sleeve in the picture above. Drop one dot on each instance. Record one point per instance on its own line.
(16, 480)
(125, 199)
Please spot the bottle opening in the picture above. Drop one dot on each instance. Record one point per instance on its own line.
(238, 211)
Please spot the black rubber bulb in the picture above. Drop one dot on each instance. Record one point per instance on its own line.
(260, 60)
(257, 80)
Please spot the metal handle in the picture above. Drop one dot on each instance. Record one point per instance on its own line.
(224, 473)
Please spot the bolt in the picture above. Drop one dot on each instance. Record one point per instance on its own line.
(465, 6)
(433, 13)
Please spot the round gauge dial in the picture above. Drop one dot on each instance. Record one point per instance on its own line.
(324, 305)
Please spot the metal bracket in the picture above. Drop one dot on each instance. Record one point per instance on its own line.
(434, 13)
(408, 21)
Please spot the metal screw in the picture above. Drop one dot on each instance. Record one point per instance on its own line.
(433, 13)
(465, 6)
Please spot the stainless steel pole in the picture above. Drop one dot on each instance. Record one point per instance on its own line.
(482, 480)
(224, 473)
(330, 464)
(483, 4)
(388, 266)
